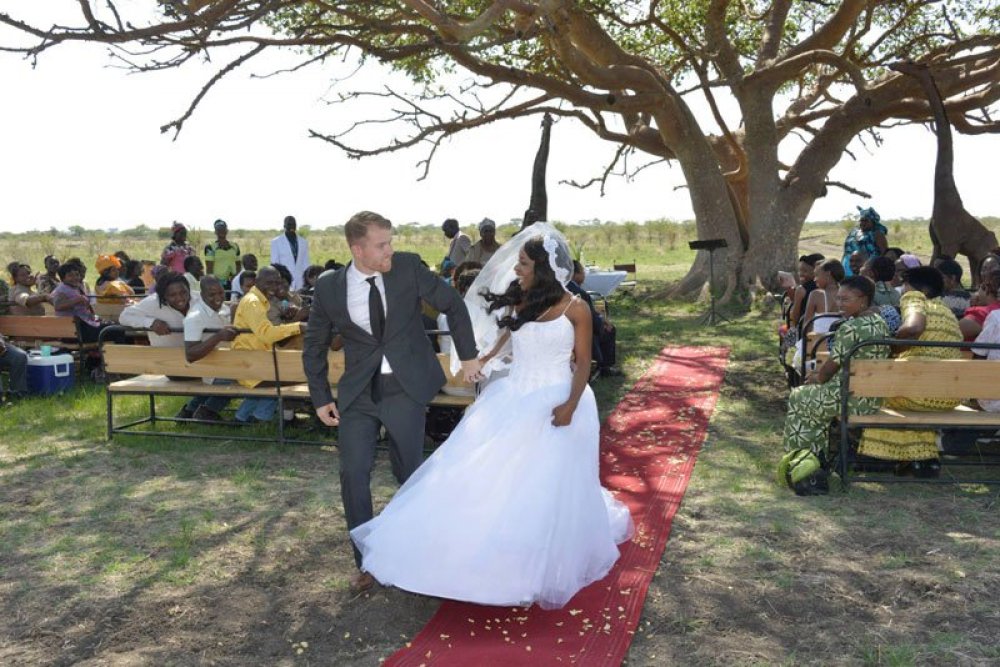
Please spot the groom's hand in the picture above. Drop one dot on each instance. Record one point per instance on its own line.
(328, 414)
(472, 370)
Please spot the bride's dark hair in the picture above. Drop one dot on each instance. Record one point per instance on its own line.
(545, 292)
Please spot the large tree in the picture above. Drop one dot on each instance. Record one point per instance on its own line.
(808, 77)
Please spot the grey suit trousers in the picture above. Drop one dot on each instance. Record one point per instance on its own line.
(403, 419)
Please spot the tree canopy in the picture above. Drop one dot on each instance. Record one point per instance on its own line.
(807, 77)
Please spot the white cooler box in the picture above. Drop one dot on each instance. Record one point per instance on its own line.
(49, 375)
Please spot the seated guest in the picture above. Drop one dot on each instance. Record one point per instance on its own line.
(332, 265)
(604, 345)
(894, 253)
(309, 277)
(193, 272)
(925, 318)
(249, 264)
(882, 270)
(812, 406)
(989, 264)
(824, 298)
(990, 335)
(486, 246)
(987, 300)
(132, 276)
(463, 268)
(110, 288)
(206, 326)
(807, 283)
(252, 314)
(247, 280)
(955, 296)
(286, 303)
(14, 360)
(70, 299)
(162, 311)
(46, 282)
(856, 261)
(24, 300)
(4, 297)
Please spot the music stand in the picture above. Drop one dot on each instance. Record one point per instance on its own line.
(711, 245)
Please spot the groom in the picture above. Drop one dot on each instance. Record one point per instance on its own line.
(391, 372)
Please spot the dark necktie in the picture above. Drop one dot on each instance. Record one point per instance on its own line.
(376, 312)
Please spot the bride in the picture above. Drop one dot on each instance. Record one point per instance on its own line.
(509, 510)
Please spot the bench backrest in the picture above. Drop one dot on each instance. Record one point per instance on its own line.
(223, 363)
(955, 379)
(37, 327)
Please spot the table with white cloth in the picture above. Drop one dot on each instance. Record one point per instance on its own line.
(603, 282)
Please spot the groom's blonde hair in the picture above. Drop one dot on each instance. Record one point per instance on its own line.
(357, 227)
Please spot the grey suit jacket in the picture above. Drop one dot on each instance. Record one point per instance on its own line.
(404, 344)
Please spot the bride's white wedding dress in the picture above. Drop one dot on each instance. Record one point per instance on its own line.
(509, 510)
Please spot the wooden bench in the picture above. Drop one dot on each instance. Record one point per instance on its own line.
(952, 379)
(151, 366)
(33, 331)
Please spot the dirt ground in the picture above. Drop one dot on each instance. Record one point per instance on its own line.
(170, 553)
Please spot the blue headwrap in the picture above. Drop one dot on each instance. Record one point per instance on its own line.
(869, 214)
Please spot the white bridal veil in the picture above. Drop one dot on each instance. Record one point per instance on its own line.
(496, 276)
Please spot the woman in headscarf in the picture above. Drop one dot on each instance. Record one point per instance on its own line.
(110, 288)
(868, 237)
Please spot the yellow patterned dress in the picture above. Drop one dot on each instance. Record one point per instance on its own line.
(904, 445)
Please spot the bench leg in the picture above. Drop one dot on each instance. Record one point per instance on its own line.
(281, 421)
(110, 411)
(152, 409)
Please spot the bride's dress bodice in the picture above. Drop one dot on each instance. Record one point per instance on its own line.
(542, 352)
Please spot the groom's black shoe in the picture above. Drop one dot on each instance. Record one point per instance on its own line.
(361, 582)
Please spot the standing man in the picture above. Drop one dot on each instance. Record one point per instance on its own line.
(391, 371)
(460, 243)
(291, 250)
(222, 258)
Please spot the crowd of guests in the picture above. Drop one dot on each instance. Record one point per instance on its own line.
(884, 293)
(222, 297)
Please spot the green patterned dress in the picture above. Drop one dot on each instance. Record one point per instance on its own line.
(812, 406)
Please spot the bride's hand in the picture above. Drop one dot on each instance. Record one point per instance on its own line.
(562, 415)
(472, 370)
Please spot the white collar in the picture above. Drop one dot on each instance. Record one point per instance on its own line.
(355, 275)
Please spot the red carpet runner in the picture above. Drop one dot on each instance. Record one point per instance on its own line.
(649, 445)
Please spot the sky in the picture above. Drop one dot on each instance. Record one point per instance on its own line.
(81, 146)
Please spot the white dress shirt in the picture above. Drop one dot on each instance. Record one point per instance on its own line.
(200, 316)
(147, 311)
(357, 301)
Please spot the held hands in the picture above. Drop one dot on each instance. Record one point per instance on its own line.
(562, 415)
(472, 370)
(328, 414)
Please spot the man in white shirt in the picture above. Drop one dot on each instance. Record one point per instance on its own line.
(291, 250)
(206, 326)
